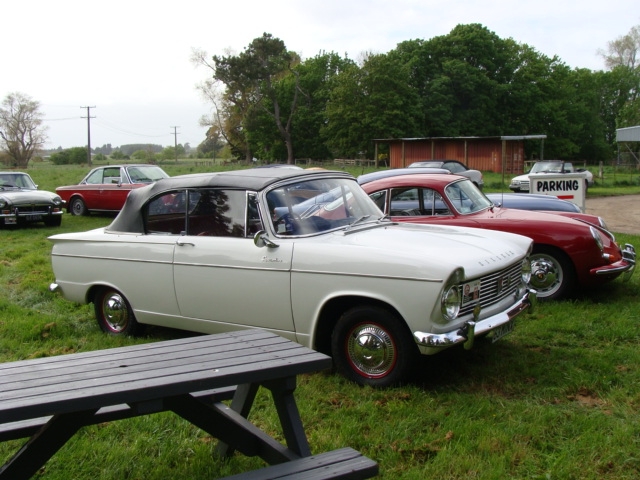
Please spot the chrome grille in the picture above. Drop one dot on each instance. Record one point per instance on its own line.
(495, 287)
(32, 209)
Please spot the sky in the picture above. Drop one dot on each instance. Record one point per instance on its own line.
(130, 61)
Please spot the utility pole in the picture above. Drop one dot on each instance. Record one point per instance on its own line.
(88, 117)
(175, 142)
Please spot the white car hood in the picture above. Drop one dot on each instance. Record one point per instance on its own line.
(412, 250)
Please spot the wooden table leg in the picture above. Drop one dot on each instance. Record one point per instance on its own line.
(241, 403)
(285, 402)
(44, 444)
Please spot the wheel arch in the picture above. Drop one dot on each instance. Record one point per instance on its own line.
(546, 247)
(334, 308)
(76, 195)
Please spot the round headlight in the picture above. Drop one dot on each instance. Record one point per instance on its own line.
(3, 202)
(525, 271)
(451, 302)
(57, 200)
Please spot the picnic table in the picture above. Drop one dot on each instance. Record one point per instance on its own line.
(50, 399)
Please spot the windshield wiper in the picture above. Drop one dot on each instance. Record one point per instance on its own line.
(358, 220)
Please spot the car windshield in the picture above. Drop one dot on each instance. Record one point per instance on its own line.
(146, 174)
(466, 197)
(316, 206)
(546, 167)
(16, 180)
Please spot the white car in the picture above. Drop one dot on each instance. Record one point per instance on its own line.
(521, 182)
(225, 251)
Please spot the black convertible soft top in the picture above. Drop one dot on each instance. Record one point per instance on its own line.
(129, 220)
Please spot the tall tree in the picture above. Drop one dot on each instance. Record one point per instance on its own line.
(250, 81)
(21, 128)
(623, 50)
(374, 100)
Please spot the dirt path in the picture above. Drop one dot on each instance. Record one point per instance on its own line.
(622, 213)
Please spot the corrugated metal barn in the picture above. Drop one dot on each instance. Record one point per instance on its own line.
(628, 139)
(503, 154)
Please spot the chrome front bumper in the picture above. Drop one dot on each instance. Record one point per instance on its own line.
(471, 328)
(626, 266)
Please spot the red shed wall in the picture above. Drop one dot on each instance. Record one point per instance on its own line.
(479, 154)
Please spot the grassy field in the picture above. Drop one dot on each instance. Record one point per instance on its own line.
(556, 399)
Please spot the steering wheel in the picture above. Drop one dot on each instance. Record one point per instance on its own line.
(290, 221)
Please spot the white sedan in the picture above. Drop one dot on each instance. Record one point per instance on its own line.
(226, 251)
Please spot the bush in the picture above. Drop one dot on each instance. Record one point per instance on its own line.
(71, 156)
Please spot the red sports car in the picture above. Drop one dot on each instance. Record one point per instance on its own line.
(105, 189)
(570, 249)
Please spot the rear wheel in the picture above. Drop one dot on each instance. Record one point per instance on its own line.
(552, 274)
(78, 207)
(114, 314)
(372, 346)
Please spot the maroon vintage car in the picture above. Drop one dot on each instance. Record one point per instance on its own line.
(570, 249)
(105, 189)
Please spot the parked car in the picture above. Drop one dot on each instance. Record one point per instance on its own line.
(533, 201)
(223, 251)
(521, 182)
(105, 189)
(21, 202)
(453, 166)
(527, 201)
(570, 249)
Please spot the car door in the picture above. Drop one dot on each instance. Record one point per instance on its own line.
(221, 276)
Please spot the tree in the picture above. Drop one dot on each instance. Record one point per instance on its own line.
(374, 100)
(21, 128)
(251, 85)
(623, 50)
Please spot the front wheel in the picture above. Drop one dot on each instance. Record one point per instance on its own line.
(114, 314)
(552, 274)
(372, 346)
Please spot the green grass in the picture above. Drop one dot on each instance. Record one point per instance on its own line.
(556, 399)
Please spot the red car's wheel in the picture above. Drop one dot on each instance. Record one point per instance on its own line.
(552, 274)
(78, 207)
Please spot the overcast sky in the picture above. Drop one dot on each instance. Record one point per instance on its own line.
(131, 59)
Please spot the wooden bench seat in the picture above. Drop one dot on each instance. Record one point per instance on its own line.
(26, 428)
(344, 463)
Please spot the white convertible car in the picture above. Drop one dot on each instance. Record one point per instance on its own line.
(224, 251)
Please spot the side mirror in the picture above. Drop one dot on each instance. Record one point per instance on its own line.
(261, 239)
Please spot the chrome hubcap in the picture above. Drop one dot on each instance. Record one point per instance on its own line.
(115, 312)
(546, 275)
(371, 350)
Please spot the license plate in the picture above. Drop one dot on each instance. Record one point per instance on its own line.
(502, 330)
(33, 218)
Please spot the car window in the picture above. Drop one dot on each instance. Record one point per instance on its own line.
(380, 198)
(454, 167)
(417, 202)
(201, 212)
(16, 180)
(466, 197)
(95, 177)
(312, 207)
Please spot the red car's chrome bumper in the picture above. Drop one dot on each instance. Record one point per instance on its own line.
(626, 265)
